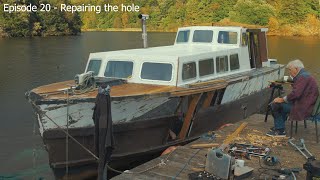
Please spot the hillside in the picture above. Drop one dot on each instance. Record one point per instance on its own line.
(282, 17)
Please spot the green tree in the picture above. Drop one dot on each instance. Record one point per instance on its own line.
(220, 9)
(53, 22)
(252, 12)
(293, 11)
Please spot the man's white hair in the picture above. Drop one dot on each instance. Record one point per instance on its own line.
(296, 64)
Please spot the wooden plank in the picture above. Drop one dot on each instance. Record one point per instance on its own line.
(189, 116)
(54, 91)
(230, 138)
(207, 145)
(186, 92)
(207, 101)
(206, 83)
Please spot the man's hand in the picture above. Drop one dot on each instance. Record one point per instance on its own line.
(278, 100)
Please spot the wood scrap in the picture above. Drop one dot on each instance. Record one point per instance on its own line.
(207, 145)
(197, 169)
(231, 137)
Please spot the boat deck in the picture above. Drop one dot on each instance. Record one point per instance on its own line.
(185, 160)
(58, 90)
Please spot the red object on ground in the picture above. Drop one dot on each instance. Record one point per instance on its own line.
(169, 150)
(225, 125)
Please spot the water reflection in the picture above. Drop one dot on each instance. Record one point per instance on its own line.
(289, 48)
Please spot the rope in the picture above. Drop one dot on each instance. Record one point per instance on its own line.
(86, 149)
(198, 150)
(67, 139)
(34, 146)
(61, 128)
(162, 163)
(85, 90)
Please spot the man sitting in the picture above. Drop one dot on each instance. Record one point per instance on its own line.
(299, 103)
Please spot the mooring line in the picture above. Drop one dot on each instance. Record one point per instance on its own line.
(61, 128)
(163, 162)
(198, 150)
(67, 139)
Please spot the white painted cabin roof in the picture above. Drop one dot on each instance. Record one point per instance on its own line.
(183, 52)
(173, 51)
(178, 49)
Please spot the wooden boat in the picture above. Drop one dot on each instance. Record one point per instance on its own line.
(209, 77)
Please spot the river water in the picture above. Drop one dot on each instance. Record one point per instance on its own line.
(30, 62)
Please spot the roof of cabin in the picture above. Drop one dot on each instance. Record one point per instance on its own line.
(179, 50)
(234, 28)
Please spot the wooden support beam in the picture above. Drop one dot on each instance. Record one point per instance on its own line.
(230, 138)
(189, 116)
(207, 101)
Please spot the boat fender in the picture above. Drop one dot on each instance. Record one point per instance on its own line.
(169, 150)
(225, 125)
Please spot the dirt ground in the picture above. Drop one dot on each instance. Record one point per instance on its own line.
(286, 154)
(185, 160)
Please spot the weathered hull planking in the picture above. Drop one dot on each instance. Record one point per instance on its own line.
(141, 124)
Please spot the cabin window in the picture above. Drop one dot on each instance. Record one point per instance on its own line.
(206, 67)
(189, 71)
(183, 36)
(234, 62)
(202, 36)
(119, 69)
(222, 64)
(225, 37)
(156, 71)
(94, 65)
(244, 39)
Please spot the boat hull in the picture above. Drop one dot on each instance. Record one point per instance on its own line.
(149, 134)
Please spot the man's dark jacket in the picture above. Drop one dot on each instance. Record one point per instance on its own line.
(303, 96)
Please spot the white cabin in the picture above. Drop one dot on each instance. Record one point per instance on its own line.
(199, 53)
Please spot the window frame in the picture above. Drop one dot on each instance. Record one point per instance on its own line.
(117, 60)
(194, 32)
(238, 67)
(226, 60)
(182, 68)
(185, 30)
(237, 41)
(94, 59)
(213, 63)
(153, 80)
(244, 39)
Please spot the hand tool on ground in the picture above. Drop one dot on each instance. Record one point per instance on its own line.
(290, 172)
(301, 147)
(312, 166)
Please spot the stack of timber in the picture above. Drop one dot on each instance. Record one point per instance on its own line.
(192, 157)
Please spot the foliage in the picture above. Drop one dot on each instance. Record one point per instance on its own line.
(252, 12)
(285, 17)
(293, 11)
(38, 23)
